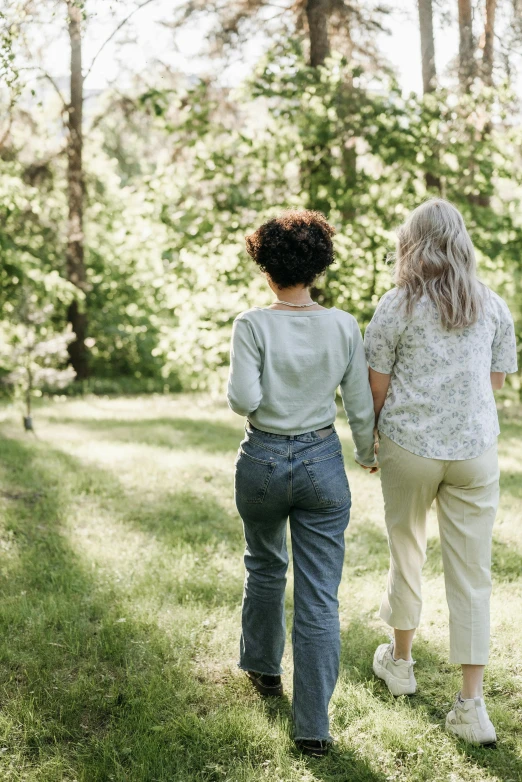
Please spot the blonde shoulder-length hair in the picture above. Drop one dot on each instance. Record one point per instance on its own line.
(435, 258)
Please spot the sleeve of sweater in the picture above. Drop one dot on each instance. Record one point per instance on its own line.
(358, 402)
(244, 380)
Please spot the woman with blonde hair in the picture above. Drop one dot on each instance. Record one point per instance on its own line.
(438, 345)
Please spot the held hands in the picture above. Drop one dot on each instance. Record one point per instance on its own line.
(375, 468)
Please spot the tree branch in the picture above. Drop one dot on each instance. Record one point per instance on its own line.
(45, 75)
(5, 135)
(114, 32)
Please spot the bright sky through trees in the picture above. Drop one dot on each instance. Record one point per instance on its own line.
(146, 40)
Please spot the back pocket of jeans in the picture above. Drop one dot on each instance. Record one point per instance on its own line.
(252, 477)
(328, 478)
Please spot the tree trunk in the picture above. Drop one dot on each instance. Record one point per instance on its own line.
(75, 192)
(466, 46)
(489, 41)
(316, 171)
(317, 167)
(487, 73)
(317, 12)
(429, 72)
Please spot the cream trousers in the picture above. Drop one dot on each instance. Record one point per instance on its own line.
(467, 494)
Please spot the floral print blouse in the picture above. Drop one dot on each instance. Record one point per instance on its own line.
(440, 403)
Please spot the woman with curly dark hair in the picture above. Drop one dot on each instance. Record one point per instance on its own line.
(287, 361)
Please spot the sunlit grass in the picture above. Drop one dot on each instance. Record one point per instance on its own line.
(121, 587)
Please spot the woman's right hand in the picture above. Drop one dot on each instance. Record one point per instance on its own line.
(374, 468)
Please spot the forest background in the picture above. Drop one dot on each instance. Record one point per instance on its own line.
(140, 142)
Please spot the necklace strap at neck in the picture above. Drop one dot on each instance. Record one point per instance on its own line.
(291, 304)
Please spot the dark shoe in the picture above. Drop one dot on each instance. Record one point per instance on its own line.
(314, 748)
(266, 685)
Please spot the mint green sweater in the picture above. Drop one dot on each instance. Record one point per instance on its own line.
(285, 367)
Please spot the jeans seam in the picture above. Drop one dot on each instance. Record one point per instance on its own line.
(323, 458)
(261, 444)
(290, 474)
(267, 462)
(317, 444)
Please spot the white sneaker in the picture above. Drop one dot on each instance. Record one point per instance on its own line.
(469, 721)
(398, 674)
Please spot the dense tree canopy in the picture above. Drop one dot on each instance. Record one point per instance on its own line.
(125, 228)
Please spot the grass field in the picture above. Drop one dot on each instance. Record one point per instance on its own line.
(122, 577)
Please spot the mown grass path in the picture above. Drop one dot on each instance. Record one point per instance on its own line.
(121, 580)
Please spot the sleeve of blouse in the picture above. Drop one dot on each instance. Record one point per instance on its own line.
(358, 402)
(504, 347)
(244, 380)
(383, 333)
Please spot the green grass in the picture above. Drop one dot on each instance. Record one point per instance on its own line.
(122, 577)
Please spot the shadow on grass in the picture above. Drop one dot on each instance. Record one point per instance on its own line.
(367, 550)
(187, 518)
(340, 765)
(87, 695)
(344, 765)
(178, 517)
(84, 693)
(511, 484)
(436, 677)
(174, 433)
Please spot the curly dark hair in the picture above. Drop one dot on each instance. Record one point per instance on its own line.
(294, 249)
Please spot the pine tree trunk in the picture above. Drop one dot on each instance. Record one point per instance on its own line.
(317, 15)
(75, 192)
(489, 40)
(466, 46)
(487, 72)
(429, 72)
(316, 170)
(349, 150)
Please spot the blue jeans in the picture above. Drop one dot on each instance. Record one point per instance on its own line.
(301, 478)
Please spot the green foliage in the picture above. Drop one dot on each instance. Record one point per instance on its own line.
(177, 174)
(34, 352)
(8, 69)
(33, 294)
(31, 212)
(126, 305)
(322, 138)
(125, 272)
